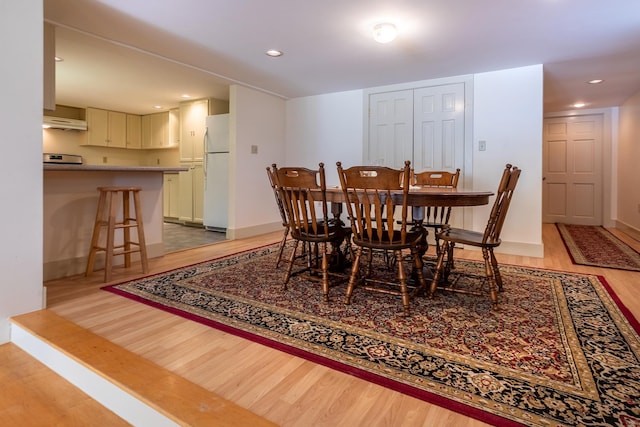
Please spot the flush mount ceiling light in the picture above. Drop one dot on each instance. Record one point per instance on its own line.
(384, 32)
(579, 104)
(274, 53)
(595, 81)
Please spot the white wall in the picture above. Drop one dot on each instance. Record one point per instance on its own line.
(325, 128)
(628, 212)
(256, 118)
(508, 115)
(21, 85)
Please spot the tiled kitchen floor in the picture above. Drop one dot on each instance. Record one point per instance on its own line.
(178, 237)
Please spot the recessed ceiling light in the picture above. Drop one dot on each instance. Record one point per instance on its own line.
(274, 53)
(185, 96)
(595, 81)
(58, 59)
(384, 32)
(157, 107)
(579, 104)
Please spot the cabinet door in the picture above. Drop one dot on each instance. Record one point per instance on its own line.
(200, 110)
(117, 128)
(186, 195)
(134, 131)
(146, 134)
(170, 203)
(160, 130)
(198, 193)
(174, 127)
(97, 127)
(193, 116)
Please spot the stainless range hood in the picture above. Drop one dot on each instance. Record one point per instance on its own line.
(50, 122)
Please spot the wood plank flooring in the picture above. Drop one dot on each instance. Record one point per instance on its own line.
(279, 387)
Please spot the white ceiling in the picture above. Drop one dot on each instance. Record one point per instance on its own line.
(129, 55)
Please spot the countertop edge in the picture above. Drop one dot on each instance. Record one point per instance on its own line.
(110, 168)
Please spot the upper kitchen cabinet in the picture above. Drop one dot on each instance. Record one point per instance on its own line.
(106, 128)
(134, 131)
(193, 115)
(158, 130)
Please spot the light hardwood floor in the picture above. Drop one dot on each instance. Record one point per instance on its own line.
(284, 389)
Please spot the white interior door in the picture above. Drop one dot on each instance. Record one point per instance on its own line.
(572, 170)
(390, 129)
(438, 118)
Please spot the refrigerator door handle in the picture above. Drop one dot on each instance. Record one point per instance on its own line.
(204, 151)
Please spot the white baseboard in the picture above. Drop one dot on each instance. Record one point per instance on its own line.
(628, 229)
(241, 233)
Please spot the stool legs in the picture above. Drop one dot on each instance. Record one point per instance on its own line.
(141, 241)
(108, 205)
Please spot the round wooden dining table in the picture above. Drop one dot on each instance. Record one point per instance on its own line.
(421, 196)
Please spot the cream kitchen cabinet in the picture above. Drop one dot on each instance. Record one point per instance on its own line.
(174, 127)
(171, 196)
(191, 194)
(134, 131)
(106, 128)
(158, 130)
(193, 116)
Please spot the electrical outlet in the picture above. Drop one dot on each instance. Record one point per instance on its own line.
(157, 161)
(104, 159)
(254, 149)
(482, 145)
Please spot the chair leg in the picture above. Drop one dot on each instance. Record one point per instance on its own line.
(496, 270)
(437, 274)
(287, 274)
(325, 272)
(402, 278)
(493, 293)
(353, 277)
(283, 242)
(418, 267)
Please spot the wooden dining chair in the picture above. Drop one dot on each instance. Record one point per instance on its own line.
(435, 217)
(306, 209)
(271, 171)
(374, 195)
(487, 240)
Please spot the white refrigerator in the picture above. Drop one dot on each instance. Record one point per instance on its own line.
(216, 172)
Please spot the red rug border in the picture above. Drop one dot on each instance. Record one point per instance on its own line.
(406, 389)
(573, 260)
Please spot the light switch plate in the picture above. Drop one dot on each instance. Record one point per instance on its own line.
(482, 145)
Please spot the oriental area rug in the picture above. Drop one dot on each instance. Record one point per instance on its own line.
(561, 349)
(597, 247)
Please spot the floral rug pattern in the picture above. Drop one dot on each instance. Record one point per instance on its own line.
(559, 351)
(595, 246)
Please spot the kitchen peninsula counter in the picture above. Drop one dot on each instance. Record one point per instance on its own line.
(110, 168)
(70, 201)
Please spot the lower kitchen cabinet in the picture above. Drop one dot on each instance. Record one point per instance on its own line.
(171, 196)
(191, 194)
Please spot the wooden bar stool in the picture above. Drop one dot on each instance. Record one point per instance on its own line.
(106, 217)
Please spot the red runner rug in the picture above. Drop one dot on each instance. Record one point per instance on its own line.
(597, 247)
(561, 349)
